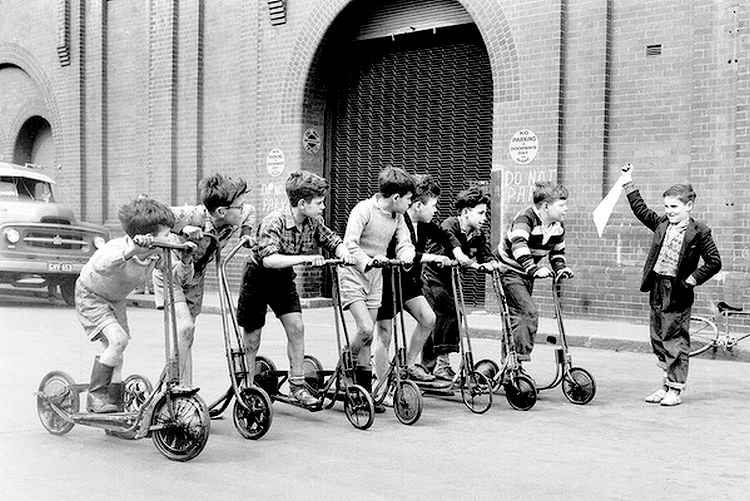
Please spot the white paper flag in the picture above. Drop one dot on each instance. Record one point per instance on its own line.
(604, 209)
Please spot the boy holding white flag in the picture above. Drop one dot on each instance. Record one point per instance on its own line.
(669, 276)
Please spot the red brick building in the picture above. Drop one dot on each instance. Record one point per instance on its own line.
(122, 97)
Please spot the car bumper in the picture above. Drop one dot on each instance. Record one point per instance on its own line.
(40, 267)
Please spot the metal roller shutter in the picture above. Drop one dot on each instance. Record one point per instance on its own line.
(424, 103)
(408, 16)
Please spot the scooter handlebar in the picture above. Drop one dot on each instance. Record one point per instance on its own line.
(379, 263)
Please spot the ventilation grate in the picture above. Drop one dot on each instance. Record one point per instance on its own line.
(653, 50)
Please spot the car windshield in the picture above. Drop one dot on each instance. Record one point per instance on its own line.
(23, 188)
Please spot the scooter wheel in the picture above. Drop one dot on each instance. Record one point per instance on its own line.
(58, 387)
(476, 392)
(359, 407)
(265, 376)
(313, 371)
(136, 390)
(183, 426)
(253, 420)
(490, 370)
(407, 402)
(578, 386)
(520, 392)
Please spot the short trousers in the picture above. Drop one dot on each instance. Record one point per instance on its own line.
(188, 289)
(355, 285)
(409, 290)
(264, 287)
(95, 312)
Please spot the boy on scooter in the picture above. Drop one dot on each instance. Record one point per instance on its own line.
(372, 224)
(287, 238)
(535, 232)
(469, 245)
(670, 274)
(221, 213)
(106, 280)
(418, 220)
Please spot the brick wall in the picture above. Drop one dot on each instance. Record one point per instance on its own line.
(160, 93)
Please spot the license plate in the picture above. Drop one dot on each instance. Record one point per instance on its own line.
(59, 267)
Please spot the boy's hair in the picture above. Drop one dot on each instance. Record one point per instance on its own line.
(145, 215)
(682, 191)
(220, 191)
(546, 191)
(392, 181)
(425, 188)
(304, 185)
(470, 198)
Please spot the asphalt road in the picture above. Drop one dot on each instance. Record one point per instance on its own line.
(617, 447)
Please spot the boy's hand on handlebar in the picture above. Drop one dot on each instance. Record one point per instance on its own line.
(565, 273)
(316, 260)
(192, 232)
(146, 240)
(348, 259)
(542, 272)
(443, 260)
(247, 241)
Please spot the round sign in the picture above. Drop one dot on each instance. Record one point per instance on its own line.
(311, 141)
(523, 147)
(275, 162)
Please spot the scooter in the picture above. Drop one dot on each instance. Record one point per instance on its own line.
(578, 384)
(328, 386)
(175, 417)
(475, 387)
(252, 413)
(407, 397)
(519, 387)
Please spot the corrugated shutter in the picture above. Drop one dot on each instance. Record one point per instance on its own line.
(408, 16)
(424, 103)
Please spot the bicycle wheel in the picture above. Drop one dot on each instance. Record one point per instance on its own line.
(265, 376)
(183, 425)
(255, 422)
(704, 336)
(359, 407)
(578, 386)
(490, 370)
(476, 392)
(57, 387)
(520, 392)
(407, 402)
(313, 369)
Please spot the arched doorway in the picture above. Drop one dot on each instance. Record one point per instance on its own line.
(420, 99)
(34, 143)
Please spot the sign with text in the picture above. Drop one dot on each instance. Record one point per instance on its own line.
(523, 147)
(275, 162)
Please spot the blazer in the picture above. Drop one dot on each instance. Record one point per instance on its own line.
(698, 243)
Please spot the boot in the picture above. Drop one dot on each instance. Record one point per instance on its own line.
(116, 394)
(363, 377)
(98, 394)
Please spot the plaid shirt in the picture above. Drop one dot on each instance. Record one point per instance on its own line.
(198, 215)
(669, 255)
(279, 234)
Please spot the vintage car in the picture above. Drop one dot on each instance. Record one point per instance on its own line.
(41, 242)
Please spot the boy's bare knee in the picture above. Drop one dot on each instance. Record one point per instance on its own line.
(119, 343)
(252, 340)
(187, 333)
(428, 320)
